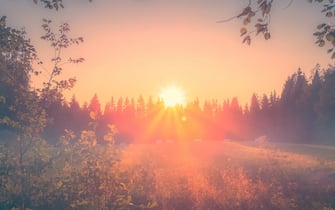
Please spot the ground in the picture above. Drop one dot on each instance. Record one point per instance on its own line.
(233, 175)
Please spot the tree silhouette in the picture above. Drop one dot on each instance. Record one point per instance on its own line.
(327, 100)
(95, 106)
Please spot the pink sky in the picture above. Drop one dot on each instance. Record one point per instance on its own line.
(135, 47)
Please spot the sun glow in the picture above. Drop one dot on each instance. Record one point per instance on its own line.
(172, 96)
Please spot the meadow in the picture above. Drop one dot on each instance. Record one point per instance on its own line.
(232, 175)
(170, 176)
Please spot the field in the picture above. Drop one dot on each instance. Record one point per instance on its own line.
(171, 176)
(231, 175)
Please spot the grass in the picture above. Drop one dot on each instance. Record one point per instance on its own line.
(200, 176)
(313, 150)
(229, 175)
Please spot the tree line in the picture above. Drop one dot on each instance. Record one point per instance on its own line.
(303, 112)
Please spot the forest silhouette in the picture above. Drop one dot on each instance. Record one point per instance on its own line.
(303, 112)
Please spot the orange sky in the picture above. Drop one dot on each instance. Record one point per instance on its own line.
(135, 47)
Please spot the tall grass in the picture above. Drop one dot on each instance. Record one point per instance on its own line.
(229, 176)
(180, 176)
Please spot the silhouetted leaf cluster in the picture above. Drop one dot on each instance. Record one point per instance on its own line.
(53, 4)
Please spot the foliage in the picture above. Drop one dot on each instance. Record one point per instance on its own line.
(28, 160)
(258, 13)
(21, 113)
(16, 57)
(78, 173)
(52, 4)
(256, 18)
(326, 31)
(88, 178)
(53, 87)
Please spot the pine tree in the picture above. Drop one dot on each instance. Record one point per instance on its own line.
(94, 105)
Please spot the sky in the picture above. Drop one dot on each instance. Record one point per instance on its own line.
(139, 47)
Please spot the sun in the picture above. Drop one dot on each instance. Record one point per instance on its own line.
(172, 96)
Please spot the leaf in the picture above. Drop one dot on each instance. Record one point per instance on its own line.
(123, 185)
(333, 55)
(267, 36)
(322, 43)
(3, 21)
(268, 9)
(330, 37)
(247, 39)
(329, 14)
(152, 205)
(108, 138)
(112, 128)
(245, 12)
(320, 26)
(2, 99)
(59, 184)
(94, 143)
(243, 31)
(93, 115)
(317, 33)
(246, 21)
